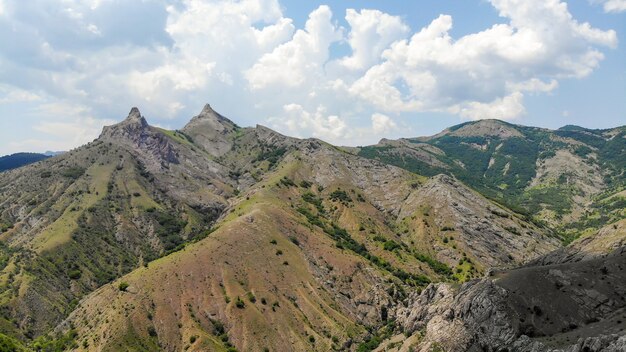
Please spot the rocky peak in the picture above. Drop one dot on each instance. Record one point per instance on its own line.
(134, 117)
(209, 120)
(212, 131)
(135, 124)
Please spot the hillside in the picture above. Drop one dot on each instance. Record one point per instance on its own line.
(13, 161)
(217, 236)
(570, 179)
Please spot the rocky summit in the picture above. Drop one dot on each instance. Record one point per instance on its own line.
(488, 236)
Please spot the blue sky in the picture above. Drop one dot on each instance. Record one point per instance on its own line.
(348, 72)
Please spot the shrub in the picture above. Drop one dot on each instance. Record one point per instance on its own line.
(391, 245)
(286, 181)
(239, 303)
(340, 196)
(74, 274)
(123, 286)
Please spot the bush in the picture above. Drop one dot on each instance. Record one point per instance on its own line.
(286, 181)
(239, 303)
(73, 172)
(74, 274)
(391, 245)
(434, 264)
(340, 196)
(123, 286)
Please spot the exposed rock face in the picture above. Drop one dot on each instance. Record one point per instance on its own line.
(135, 132)
(566, 307)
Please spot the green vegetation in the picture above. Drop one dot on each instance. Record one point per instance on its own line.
(343, 240)
(439, 267)
(502, 168)
(123, 286)
(313, 199)
(340, 196)
(9, 344)
(62, 342)
(271, 154)
(73, 172)
(14, 161)
(391, 245)
(239, 303)
(374, 340)
(286, 181)
(169, 230)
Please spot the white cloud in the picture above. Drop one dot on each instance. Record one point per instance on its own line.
(482, 75)
(321, 125)
(507, 108)
(291, 63)
(382, 124)
(371, 32)
(108, 55)
(534, 85)
(11, 95)
(612, 6)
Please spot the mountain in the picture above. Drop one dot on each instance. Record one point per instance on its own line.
(13, 161)
(565, 179)
(219, 237)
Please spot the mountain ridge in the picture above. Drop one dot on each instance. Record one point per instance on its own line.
(150, 239)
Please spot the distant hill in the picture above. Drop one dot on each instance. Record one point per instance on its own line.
(563, 178)
(16, 160)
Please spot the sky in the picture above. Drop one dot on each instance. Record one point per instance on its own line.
(348, 72)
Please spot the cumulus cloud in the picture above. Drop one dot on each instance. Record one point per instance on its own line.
(382, 124)
(170, 57)
(613, 6)
(371, 32)
(319, 123)
(486, 71)
(300, 59)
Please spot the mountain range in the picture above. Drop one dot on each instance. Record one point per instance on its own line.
(486, 237)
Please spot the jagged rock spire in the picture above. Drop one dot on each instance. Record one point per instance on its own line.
(134, 116)
(211, 130)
